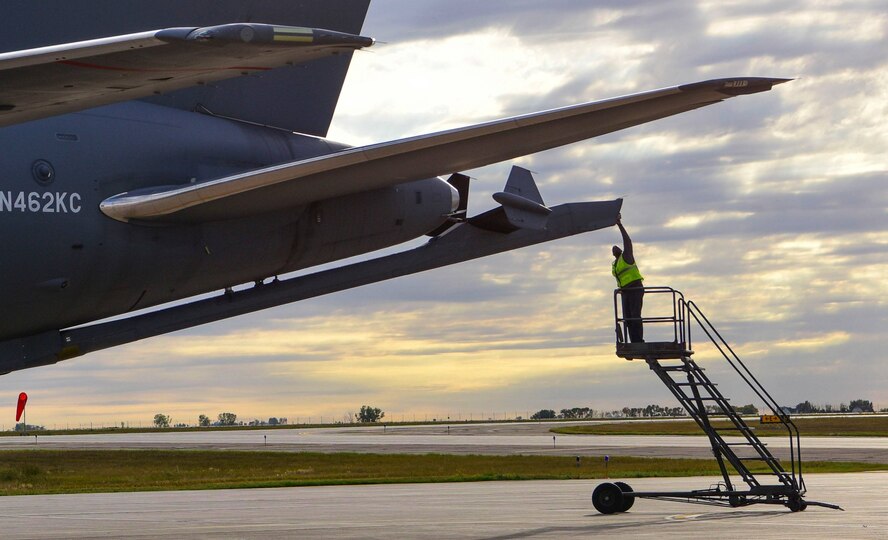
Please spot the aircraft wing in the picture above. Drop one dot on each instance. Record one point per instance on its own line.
(59, 79)
(376, 166)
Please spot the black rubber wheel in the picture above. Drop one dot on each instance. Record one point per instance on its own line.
(607, 498)
(796, 504)
(627, 501)
(736, 501)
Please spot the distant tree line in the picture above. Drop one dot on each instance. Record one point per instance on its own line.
(370, 414)
(653, 411)
(367, 414)
(225, 419)
(584, 413)
(855, 406)
(749, 410)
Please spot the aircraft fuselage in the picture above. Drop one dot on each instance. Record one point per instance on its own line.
(67, 263)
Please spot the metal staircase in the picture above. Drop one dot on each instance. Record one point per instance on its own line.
(734, 443)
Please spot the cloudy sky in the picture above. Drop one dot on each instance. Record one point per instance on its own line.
(769, 210)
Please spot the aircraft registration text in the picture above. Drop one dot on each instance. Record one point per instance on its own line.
(50, 202)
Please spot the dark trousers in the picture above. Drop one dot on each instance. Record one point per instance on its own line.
(633, 298)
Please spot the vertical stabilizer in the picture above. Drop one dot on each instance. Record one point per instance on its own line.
(522, 201)
(521, 183)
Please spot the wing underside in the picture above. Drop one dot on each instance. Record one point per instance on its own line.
(376, 166)
(59, 79)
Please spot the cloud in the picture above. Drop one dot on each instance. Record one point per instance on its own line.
(768, 210)
(815, 342)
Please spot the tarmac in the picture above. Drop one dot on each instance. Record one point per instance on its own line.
(486, 510)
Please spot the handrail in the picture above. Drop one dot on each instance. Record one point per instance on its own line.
(677, 319)
(719, 341)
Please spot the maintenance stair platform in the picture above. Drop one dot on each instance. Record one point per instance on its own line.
(734, 443)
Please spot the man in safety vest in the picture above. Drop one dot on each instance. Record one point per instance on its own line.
(629, 280)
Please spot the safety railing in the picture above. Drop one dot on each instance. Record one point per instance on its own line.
(676, 319)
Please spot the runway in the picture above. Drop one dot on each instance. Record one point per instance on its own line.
(490, 510)
(503, 439)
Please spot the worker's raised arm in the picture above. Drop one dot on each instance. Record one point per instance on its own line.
(628, 254)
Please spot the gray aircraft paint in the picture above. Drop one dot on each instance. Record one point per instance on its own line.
(301, 98)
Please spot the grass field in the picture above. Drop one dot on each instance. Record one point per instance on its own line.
(843, 426)
(29, 472)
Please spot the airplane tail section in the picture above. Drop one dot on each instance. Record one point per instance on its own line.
(299, 98)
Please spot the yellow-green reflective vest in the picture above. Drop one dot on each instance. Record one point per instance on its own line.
(624, 272)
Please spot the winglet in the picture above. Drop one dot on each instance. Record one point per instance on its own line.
(736, 86)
